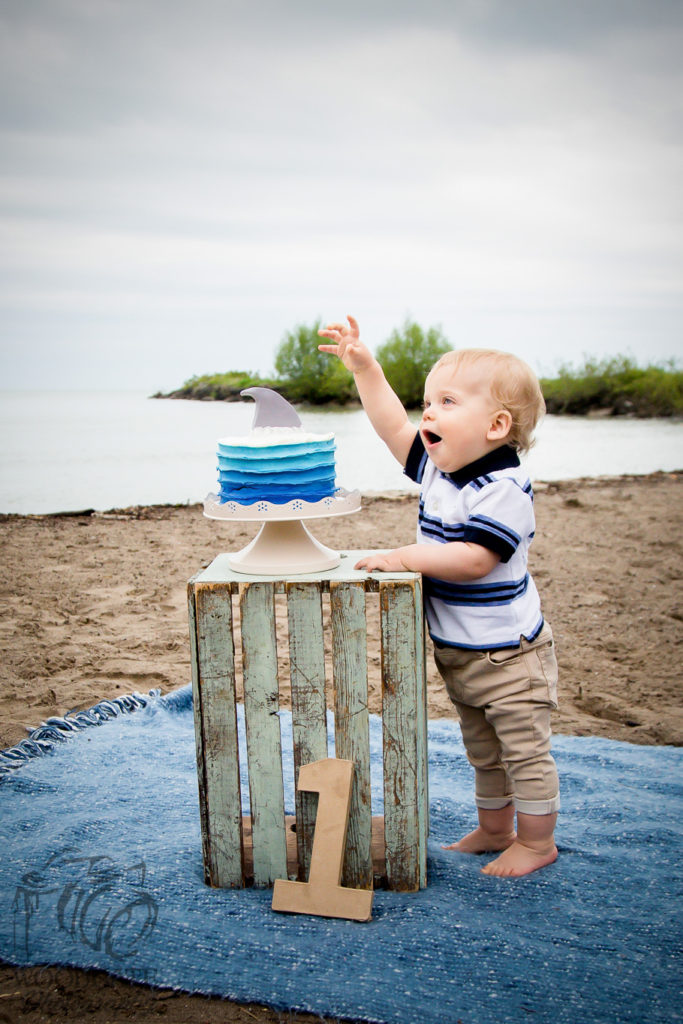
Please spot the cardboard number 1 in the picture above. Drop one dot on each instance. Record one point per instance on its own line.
(322, 894)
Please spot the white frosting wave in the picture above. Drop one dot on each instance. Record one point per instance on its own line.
(267, 436)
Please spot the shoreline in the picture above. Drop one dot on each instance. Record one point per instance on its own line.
(539, 486)
(618, 406)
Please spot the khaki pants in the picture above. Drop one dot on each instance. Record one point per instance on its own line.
(504, 698)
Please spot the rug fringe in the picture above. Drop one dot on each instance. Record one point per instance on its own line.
(41, 741)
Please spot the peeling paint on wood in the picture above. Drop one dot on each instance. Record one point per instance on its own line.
(309, 714)
(352, 723)
(216, 731)
(403, 735)
(264, 747)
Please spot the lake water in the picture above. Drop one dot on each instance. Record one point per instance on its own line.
(64, 451)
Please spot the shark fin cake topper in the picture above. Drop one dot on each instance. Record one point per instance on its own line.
(272, 410)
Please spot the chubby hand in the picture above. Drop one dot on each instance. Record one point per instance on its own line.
(347, 345)
(384, 561)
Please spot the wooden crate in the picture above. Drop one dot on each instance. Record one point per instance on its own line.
(261, 848)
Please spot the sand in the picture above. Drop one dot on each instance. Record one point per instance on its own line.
(95, 606)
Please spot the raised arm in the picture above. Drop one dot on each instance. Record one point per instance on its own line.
(382, 405)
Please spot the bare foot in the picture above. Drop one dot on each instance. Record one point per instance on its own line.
(481, 841)
(519, 860)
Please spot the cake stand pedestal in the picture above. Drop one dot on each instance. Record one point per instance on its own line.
(283, 545)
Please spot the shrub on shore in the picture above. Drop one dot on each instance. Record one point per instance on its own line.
(218, 387)
(407, 357)
(304, 374)
(615, 386)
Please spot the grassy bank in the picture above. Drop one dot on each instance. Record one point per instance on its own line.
(611, 387)
(221, 387)
(616, 387)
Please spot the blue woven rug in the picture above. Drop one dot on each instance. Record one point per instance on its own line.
(101, 868)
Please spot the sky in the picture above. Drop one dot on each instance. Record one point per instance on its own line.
(182, 183)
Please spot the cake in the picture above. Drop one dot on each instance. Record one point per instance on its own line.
(276, 464)
(278, 461)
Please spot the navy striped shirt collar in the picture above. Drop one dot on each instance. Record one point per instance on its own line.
(504, 457)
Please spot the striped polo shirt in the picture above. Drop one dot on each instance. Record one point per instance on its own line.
(490, 502)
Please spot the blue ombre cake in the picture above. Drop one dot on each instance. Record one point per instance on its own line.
(276, 464)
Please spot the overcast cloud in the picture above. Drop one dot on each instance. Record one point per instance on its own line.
(181, 183)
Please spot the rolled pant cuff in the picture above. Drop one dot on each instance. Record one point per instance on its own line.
(492, 803)
(538, 806)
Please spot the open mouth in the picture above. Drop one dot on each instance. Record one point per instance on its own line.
(430, 437)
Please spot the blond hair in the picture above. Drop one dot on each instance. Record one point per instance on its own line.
(513, 384)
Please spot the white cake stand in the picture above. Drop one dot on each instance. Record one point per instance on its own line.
(283, 545)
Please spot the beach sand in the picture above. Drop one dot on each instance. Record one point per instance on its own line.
(95, 606)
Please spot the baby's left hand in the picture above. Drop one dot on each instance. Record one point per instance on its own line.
(384, 561)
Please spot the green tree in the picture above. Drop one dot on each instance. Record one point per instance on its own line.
(407, 357)
(309, 375)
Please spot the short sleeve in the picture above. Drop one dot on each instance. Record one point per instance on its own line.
(417, 459)
(500, 516)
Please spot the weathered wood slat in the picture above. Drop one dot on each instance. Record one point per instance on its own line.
(198, 736)
(352, 730)
(216, 730)
(309, 715)
(264, 747)
(402, 736)
(422, 729)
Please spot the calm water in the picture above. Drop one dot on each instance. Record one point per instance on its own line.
(66, 451)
